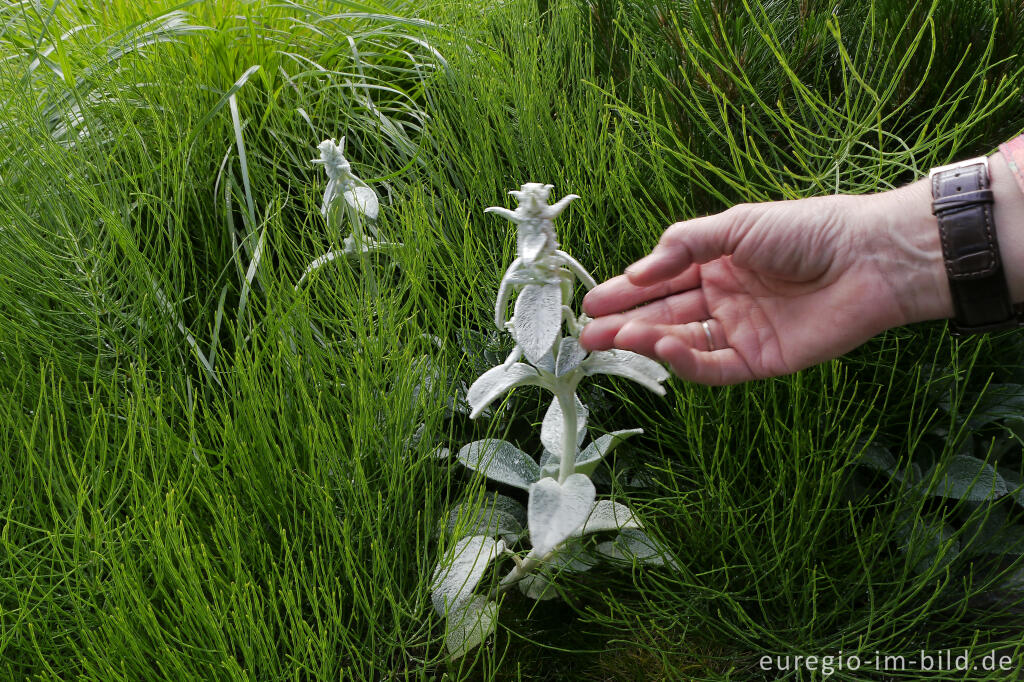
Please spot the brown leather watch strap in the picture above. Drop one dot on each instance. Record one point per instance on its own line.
(962, 204)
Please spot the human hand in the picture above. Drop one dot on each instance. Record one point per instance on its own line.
(783, 285)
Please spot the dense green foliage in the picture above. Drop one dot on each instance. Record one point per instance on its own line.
(208, 474)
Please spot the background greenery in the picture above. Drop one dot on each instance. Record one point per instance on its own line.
(209, 474)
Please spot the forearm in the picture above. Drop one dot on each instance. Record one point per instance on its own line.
(908, 246)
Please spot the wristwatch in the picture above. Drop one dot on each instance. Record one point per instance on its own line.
(962, 205)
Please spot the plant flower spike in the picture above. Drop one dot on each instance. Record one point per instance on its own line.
(562, 514)
(361, 205)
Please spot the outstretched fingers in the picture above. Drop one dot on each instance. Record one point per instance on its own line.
(642, 337)
(686, 348)
(679, 309)
(619, 294)
(694, 241)
(716, 368)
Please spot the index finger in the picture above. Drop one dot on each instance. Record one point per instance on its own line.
(700, 240)
(619, 293)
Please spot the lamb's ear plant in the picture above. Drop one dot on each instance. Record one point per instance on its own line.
(347, 199)
(563, 517)
(963, 502)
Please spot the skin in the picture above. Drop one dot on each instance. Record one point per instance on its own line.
(789, 284)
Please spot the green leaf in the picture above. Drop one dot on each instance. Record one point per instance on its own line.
(878, 459)
(968, 478)
(1014, 485)
(929, 544)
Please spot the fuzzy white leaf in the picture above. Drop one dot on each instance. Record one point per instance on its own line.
(549, 464)
(628, 364)
(470, 625)
(329, 194)
(570, 355)
(571, 557)
(608, 515)
(413, 441)
(507, 505)
(1014, 582)
(634, 544)
(556, 510)
(587, 459)
(547, 362)
(466, 519)
(504, 292)
(538, 319)
(364, 200)
(991, 532)
(552, 430)
(878, 458)
(317, 263)
(500, 461)
(457, 576)
(597, 450)
(496, 381)
(506, 213)
(537, 586)
(577, 269)
(531, 244)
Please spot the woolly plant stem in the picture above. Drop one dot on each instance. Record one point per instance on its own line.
(523, 568)
(567, 465)
(367, 276)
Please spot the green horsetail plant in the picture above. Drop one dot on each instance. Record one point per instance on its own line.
(562, 511)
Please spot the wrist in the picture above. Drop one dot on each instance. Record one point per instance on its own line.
(909, 253)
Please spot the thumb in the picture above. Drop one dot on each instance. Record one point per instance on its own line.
(692, 241)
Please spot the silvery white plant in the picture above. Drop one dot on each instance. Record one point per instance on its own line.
(360, 204)
(562, 508)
